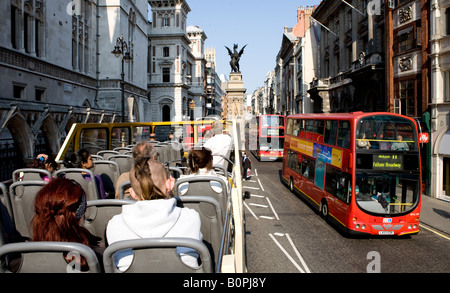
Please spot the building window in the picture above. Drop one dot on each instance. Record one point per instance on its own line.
(166, 74)
(18, 91)
(447, 21)
(166, 22)
(406, 39)
(166, 52)
(14, 27)
(404, 102)
(446, 86)
(80, 37)
(39, 94)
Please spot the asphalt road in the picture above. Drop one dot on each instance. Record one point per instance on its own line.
(285, 235)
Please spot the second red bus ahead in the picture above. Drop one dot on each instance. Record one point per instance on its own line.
(266, 136)
(360, 170)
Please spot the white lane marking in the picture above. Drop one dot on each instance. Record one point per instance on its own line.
(268, 218)
(287, 254)
(250, 210)
(273, 210)
(256, 173)
(262, 187)
(298, 253)
(258, 205)
(248, 187)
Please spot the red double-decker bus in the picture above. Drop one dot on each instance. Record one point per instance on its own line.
(266, 133)
(360, 170)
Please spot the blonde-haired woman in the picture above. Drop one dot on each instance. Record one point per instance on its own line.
(155, 214)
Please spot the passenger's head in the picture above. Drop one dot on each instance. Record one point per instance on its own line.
(79, 159)
(149, 180)
(144, 150)
(43, 161)
(59, 209)
(217, 127)
(153, 136)
(199, 158)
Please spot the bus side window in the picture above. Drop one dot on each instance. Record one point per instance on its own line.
(330, 132)
(296, 127)
(289, 127)
(301, 128)
(338, 184)
(308, 168)
(318, 130)
(309, 127)
(344, 134)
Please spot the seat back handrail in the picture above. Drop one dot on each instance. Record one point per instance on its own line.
(50, 264)
(156, 243)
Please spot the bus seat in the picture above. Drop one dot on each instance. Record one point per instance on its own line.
(211, 217)
(158, 255)
(99, 212)
(6, 221)
(47, 257)
(201, 185)
(122, 150)
(107, 153)
(125, 162)
(89, 187)
(123, 187)
(109, 173)
(30, 174)
(162, 153)
(22, 194)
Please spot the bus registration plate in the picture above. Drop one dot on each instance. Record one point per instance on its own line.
(385, 232)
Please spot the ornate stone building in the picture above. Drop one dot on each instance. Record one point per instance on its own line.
(57, 68)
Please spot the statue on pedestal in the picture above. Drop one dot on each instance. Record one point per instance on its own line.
(235, 57)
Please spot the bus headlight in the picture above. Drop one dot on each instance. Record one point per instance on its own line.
(363, 227)
(357, 226)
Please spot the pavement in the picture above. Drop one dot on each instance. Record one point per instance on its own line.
(435, 213)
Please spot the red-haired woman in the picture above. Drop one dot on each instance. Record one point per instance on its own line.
(60, 206)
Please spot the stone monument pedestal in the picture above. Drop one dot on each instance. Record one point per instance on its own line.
(235, 104)
(235, 96)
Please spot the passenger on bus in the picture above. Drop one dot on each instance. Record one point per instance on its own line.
(362, 142)
(59, 212)
(400, 145)
(140, 151)
(155, 214)
(200, 161)
(82, 159)
(43, 161)
(153, 137)
(219, 144)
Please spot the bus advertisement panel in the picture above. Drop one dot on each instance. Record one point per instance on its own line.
(361, 170)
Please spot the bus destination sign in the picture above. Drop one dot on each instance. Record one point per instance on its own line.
(387, 162)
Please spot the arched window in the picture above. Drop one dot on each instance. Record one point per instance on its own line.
(166, 113)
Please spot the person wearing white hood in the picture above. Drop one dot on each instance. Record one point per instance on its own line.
(155, 214)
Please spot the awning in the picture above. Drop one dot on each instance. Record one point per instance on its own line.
(444, 146)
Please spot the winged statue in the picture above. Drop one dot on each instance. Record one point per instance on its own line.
(235, 57)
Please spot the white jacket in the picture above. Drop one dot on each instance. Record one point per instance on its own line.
(154, 218)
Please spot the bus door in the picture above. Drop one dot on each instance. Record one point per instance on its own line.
(338, 185)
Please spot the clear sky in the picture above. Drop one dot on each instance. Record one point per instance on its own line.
(259, 24)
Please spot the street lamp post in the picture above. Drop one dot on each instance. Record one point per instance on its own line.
(121, 49)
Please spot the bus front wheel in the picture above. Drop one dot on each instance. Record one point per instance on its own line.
(324, 212)
(291, 185)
